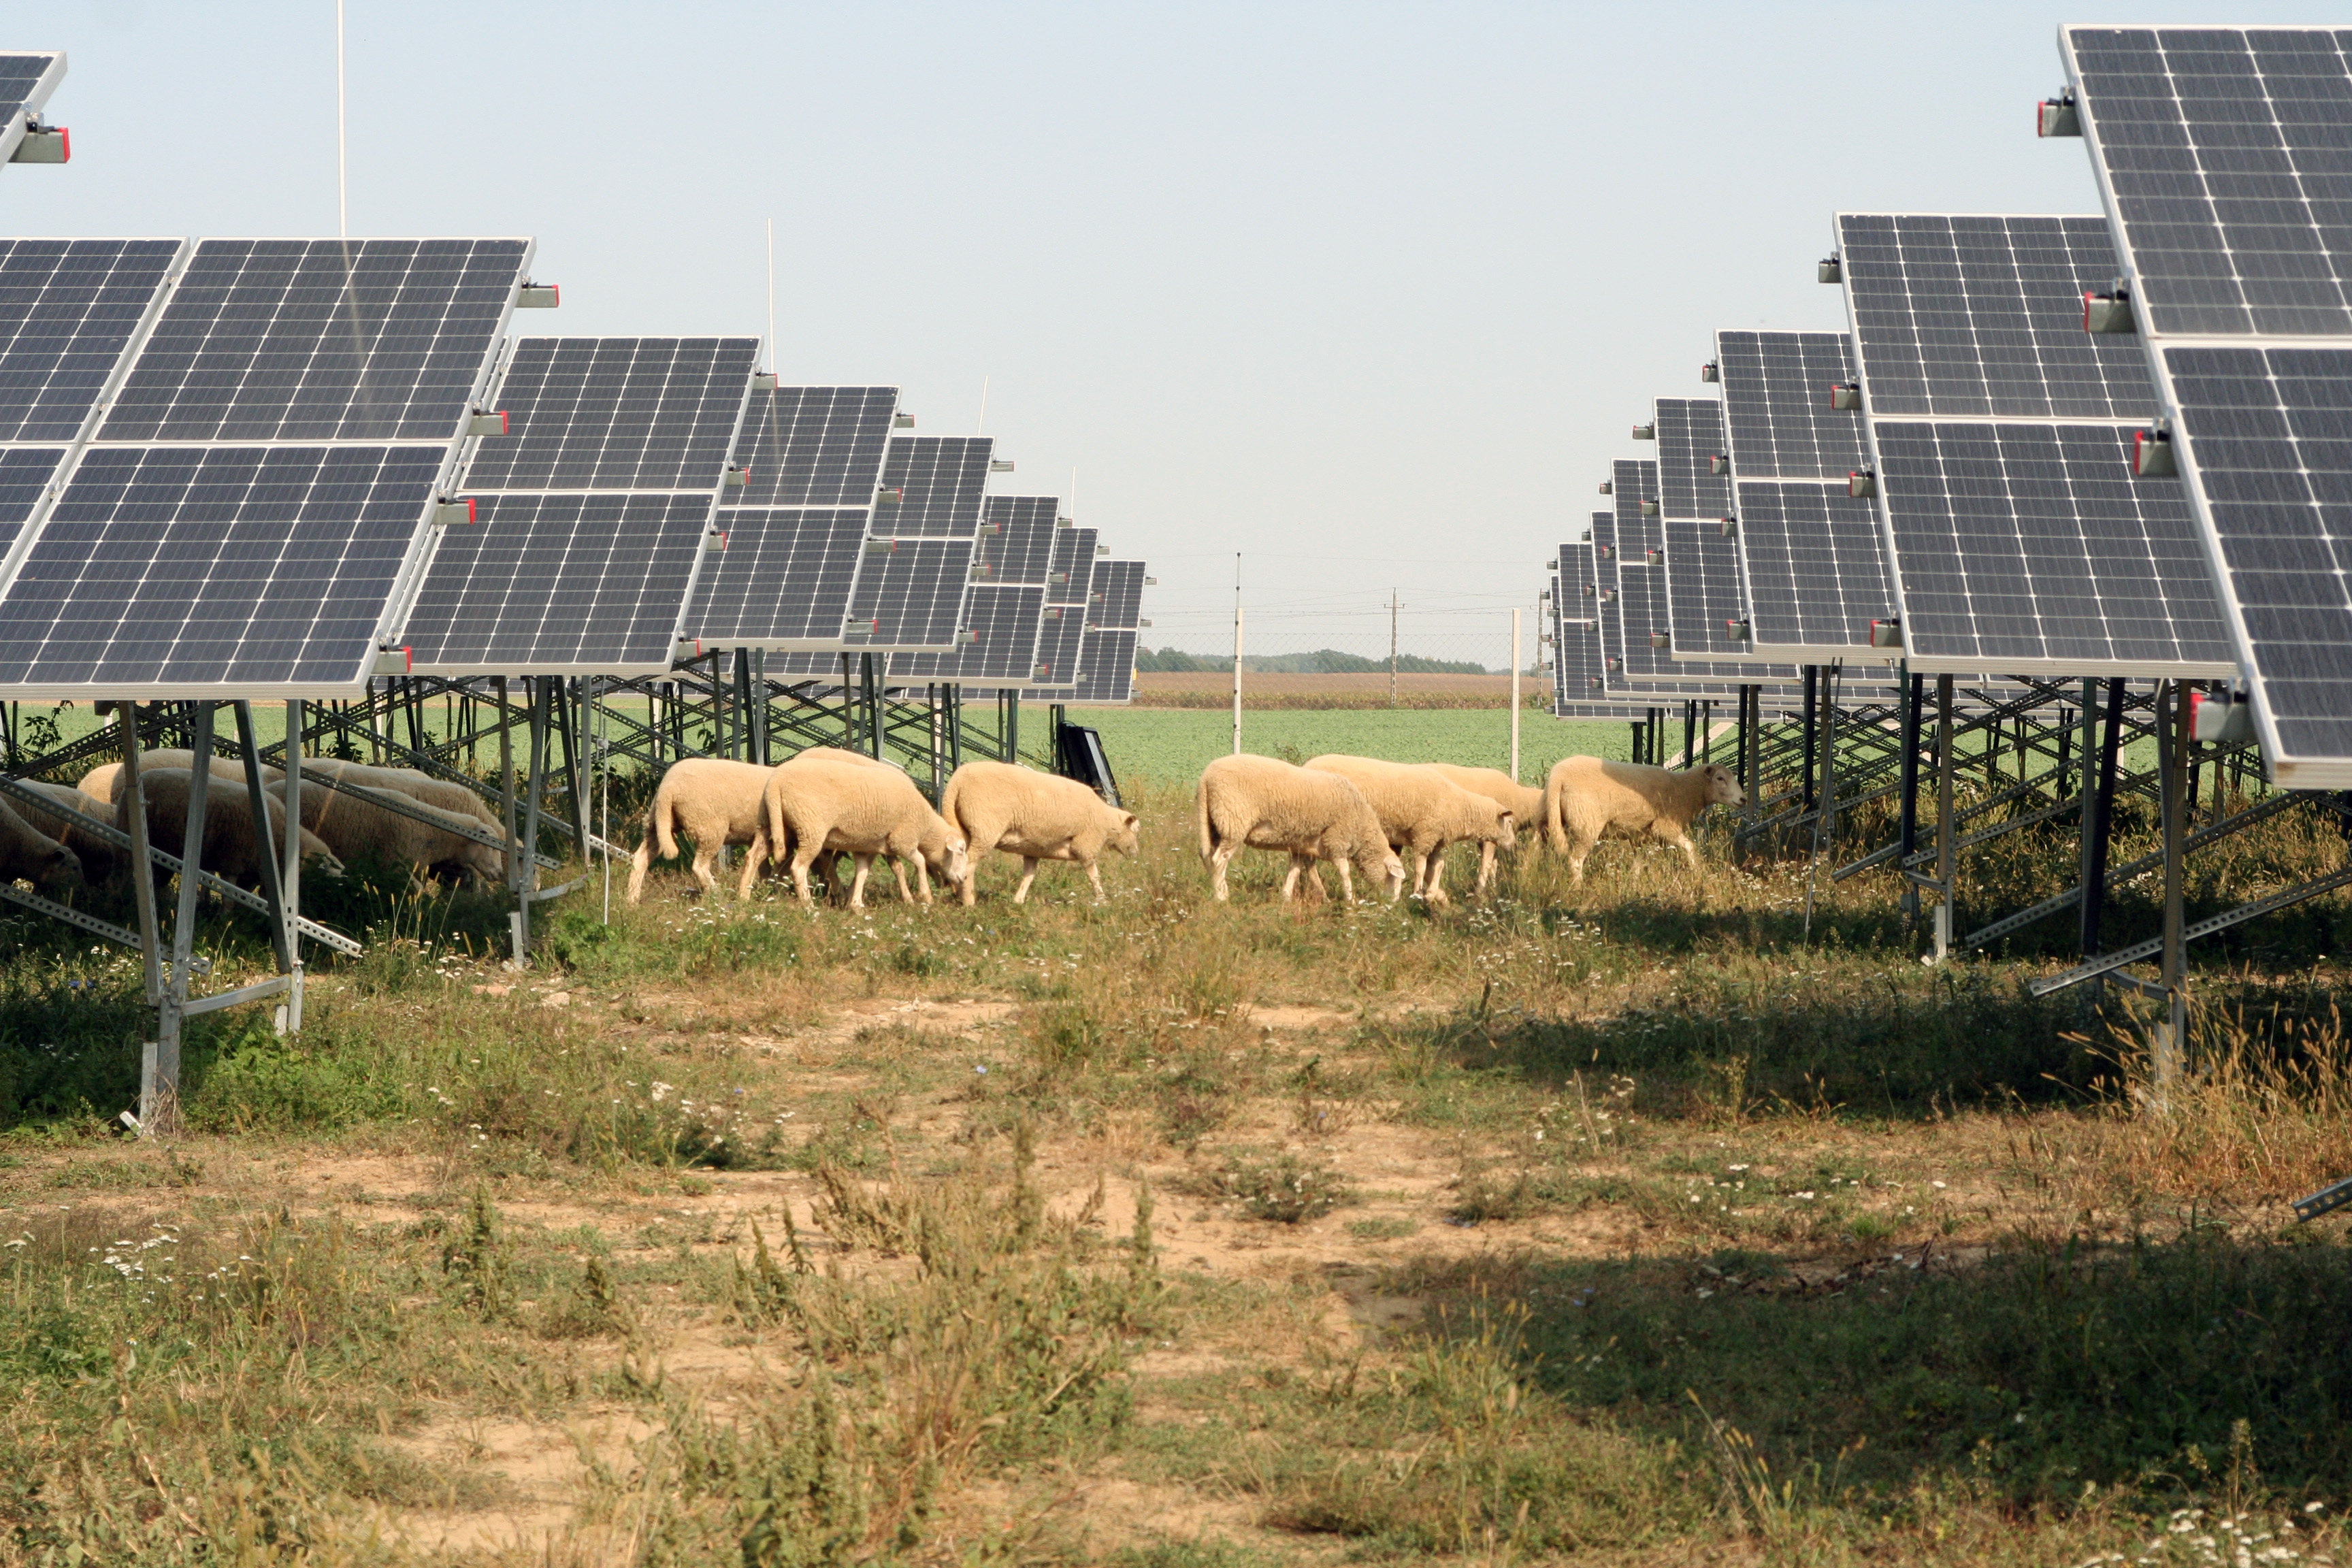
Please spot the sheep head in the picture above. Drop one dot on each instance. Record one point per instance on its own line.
(1722, 786)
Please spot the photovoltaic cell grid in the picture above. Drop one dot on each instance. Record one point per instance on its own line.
(1959, 315)
(2029, 549)
(796, 531)
(1108, 678)
(321, 339)
(1120, 584)
(592, 512)
(616, 414)
(1061, 641)
(231, 570)
(1627, 610)
(192, 572)
(1813, 567)
(1006, 607)
(1689, 432)
(1776, 405)
(69, 309)
(940, 479)
(814, 445)
(1642, 585)
(2010, 548)
(560, 585)
(2222, 154)
(24, 476)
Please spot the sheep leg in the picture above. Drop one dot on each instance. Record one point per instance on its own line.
(1682, 841)
(1028, 875)
(1347, 881)
(922, 879)
(1485, 869)
(978, 846)
(1094, 874)
(703, 857)
(1218, 858)
(801, 880)
(1576, 857)
(1435, 891)
(751, 860)
(857, 888)
(1290, 882)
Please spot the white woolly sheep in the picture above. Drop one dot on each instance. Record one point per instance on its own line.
(354, 826)
(1422, 811)
(28, 854)
(1263, 803)
(1037, 817)
(410, 781)
(105, 780)
(819, 805)
(713, 801)
(230, 852)
(1586, 797)
(96, 855)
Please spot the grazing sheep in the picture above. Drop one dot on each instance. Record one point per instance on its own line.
(354, 825)
(1262, 803)
(29, 854)
(716, 803)
(1037, 817)
(96, 855)
(827, 863)
(410, 781)
(229, 850)
(814, 806)
(1422, 811)
(105, 780)
(1523, 802)
(1586, 797)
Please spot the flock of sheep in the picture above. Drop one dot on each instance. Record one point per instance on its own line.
(1393, 822)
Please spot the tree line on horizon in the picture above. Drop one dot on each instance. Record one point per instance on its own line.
(1319, 661)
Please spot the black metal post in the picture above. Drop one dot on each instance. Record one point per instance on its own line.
(1812, 722)
(2100, 810)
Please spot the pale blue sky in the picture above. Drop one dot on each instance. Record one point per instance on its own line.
(1370, 292)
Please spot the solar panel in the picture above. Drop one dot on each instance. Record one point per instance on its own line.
(321, 339)
(1776, 407)
(1966, 315)
(214, 572)
(1627, 610)
(1813, 570)
(1120, 585)
(26, 80)
(2031, 549)
(783, 581)
(1109, 678)
(909, 594)
(567, 584)
(69, 309)
(1689, 433)
(2263, 428)
(1004, 612)
(1061, 640)
(815, 445)
(616, 414)
(938, 481)
(2018, 539)
(2222, 153)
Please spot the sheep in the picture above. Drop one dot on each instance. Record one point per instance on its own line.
(354, 825)
(1523, 802)
(105, 780)
(1307, 813)
(1422, 811)
(229, 850)
(449, 796)
(814, 806)
(716, 803)
(1585, 797)
(828, 863)
(29, 854)
(1037, 817)
(96, 855)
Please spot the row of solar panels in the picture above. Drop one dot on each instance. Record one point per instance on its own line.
(2107, 445)
(282, 467)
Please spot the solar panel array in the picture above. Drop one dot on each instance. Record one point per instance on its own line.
(268, 445)
(2222, 155)
(27, 78)
(796, 528)
(594, 509)
(1069, 580)
(1106, 663)
(1006, 608)
(2018, 540)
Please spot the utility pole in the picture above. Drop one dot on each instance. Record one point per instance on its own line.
(1515, 696)
(1392, 647)
(1237, 653)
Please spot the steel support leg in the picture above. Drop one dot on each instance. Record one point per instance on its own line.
(1947, 824)
(163, 1100)
(2171, 1042)
(289, 875)
(2099, 808)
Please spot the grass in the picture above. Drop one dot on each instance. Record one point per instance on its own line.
(1620, 1225)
